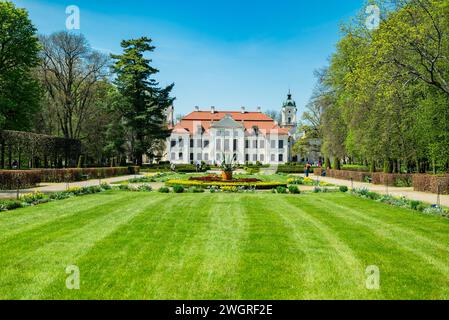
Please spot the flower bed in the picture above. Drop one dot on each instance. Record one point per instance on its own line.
(395, 179)
(261, 185)
(430, 183)
(215, 178)
(347, 175)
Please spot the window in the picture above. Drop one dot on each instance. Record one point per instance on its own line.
(206, 143)
(218, 146)
(206, 157)
(262, 158)
(181, 143)
(246, 157)
(191, 143)
(173, 156)
(180, 156)
(173, 143)
(289, 120)
(281, 144)
(198, 143)
(217, 157)
(273, 144)
(273, 158)
(234, 146)
(254, 157)
(281, 158)
(226, 145)
(262, 144)
(247, 144)
(255, 144)
(191, 157)
(198, 156)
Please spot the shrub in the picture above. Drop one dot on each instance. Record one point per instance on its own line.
(178, 189)
(355, 167)
(281, 189)
(317, 190)
(22, 179)
(6, 205)
(294, 190)
(343, 189)
(164, 190)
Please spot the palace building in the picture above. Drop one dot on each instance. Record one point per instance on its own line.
(208, 135)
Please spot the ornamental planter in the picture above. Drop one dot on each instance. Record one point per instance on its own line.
(226, 175)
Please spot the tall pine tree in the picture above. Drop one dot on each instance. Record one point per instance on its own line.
(146, 102)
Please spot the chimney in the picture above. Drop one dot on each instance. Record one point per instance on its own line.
(243, 110)
(259, 109)
(197, 108)
(212, 109)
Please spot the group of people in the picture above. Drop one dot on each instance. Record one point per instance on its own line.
(308, 168)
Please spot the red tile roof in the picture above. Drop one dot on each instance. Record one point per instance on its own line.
(265, 124)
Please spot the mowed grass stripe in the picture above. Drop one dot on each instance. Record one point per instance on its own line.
(39, 266)
(332, 268)
(403, 274)
(24, 220)
(142, 255)
(430, 228)
(434, 252)
(271, 259)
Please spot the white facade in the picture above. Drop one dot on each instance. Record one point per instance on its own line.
(250, 137)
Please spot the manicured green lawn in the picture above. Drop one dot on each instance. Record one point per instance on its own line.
(222, 246)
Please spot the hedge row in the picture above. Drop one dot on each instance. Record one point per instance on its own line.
(290, 169)
(430, 183)
(392, 179)
(348, 175)
(11, 179)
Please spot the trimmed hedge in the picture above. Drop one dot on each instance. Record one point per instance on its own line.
(347, 175)
(392, 179)
(258, 185)
(11, 179)
(22, 179)
(430, 183)
(290, 169)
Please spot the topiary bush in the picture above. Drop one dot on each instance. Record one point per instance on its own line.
(164, 190)
(343, 189)
(294, 190)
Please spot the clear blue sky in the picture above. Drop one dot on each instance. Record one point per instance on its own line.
(222, 53)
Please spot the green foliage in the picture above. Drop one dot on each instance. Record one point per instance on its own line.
(178, 189)
(293, 190)
(281, 190)
(146, 103)
(19, 47)
(343, 189)
(164, 190)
